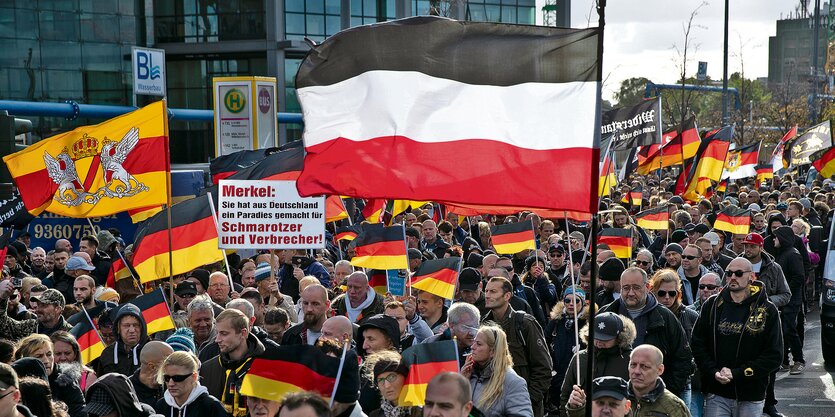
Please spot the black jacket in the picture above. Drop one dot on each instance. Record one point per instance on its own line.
(745, 337)
(120, 391)
(64, 384)
(662, 330)
(145, 394)
(117, 357)
(212, 349)
(791, 261)
(222, 376)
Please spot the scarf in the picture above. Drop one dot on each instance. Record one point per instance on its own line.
(354, 312)
(390, 410)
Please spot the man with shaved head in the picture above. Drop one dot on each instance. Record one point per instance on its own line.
(737, 343)
(315, 307)
(431, 241)
(360, 301)
(646, 389)
(339, 329)
(144, 380)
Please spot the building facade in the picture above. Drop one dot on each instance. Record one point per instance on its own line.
(80, 49)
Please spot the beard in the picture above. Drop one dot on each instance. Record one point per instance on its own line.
(310, 319)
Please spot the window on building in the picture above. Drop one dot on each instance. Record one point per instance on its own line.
(314, 19)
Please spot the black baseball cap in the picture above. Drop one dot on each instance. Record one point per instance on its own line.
(185, 288)
(609, 386)
(469, 279)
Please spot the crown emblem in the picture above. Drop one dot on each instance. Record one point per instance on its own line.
(85, 147)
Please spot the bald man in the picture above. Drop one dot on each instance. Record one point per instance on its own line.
(315, 307)
(338, 328)
(144, 380)
(431, 241)
(360, 301)
(64, 245)
(646, 389)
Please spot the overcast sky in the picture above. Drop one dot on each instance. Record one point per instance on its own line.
(640, 36)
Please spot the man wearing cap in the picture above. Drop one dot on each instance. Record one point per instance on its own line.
(766, 270)
(737, 344)
(577, 240)
(612, 335)
(268, 288)
(558, 268)
(101, 261)
(608, 398)
(12, 261)
(672, 256)
(415, 259)
(184, 292)
(10, 394)
(655, 325)
(609, 275)
(690, 271)
(50, 306)
(76, 266)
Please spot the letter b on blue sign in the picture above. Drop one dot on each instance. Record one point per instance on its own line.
(143, 65)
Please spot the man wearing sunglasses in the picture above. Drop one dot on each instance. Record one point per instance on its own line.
(690, 271)
(737, 343)
(709, 285)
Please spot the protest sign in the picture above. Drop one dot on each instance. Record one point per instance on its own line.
(396, 282)
(268, 215)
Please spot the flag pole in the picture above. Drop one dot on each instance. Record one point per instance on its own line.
(223, 252)
(169, 202)
(345, 344)
(138, 284)
(573, 284)
(84, 309)
(455, 343)
(535, 250)
(408, 267)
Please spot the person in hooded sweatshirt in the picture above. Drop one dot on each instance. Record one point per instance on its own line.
(113, 393)
(224, 373)
(131, 335)
(184, 396)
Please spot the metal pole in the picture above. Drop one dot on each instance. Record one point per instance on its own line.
(725, 118)
(813, 104)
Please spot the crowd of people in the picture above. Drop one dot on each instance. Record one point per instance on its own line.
(696, 322)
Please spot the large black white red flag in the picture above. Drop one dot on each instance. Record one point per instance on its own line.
(428, 108)
(800, 150)
(634, 126)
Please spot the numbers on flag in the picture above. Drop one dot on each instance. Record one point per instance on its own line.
(63, 231)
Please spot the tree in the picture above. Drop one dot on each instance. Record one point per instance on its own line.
(631, 91)
(683, 99)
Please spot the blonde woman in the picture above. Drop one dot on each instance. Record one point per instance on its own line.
(497, 390)
(388, 373)
(63, 379)
(67, 350)
(184, 396)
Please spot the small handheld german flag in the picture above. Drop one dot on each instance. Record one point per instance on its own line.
(824, 162)
(378, 280)
(619, 241)
(512, 238)
(155, 311)
(335, 209)
(347, 233)
(287, 369)
(636, 196)
(89, 340)
(438, 276)
(765, 172)
(425, 360)
(734, 220)
(381, 247)
(374, 210)
(654, 219)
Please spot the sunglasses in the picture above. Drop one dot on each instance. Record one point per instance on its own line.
(508, 268)
(671, 294)
(689, 257)
(176, 378)
(708, 286)
(637, 262)
(570, 300)
(739, 274)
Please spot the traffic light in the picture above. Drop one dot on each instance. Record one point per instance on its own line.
(10, 127)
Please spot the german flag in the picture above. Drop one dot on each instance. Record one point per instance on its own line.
(142, 214)
(654, 219)
(636, 196)
(438, 276)
(348, 233)
(619, 241)
(98, 170)
(194, 241)
(765, 172)
(281, 165)
(374, 210)
(292, 368)
(381, 247)
(118, 271)
(89, 340)
(513, 238)
(709, 162)
(155, 311)
(335, 209)
(378, 279)
(734, 220)
(608, 179)
(425, 360)
(677, 147)
(722, 186)
(824, 162)
(742, 162)
(225, 166)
